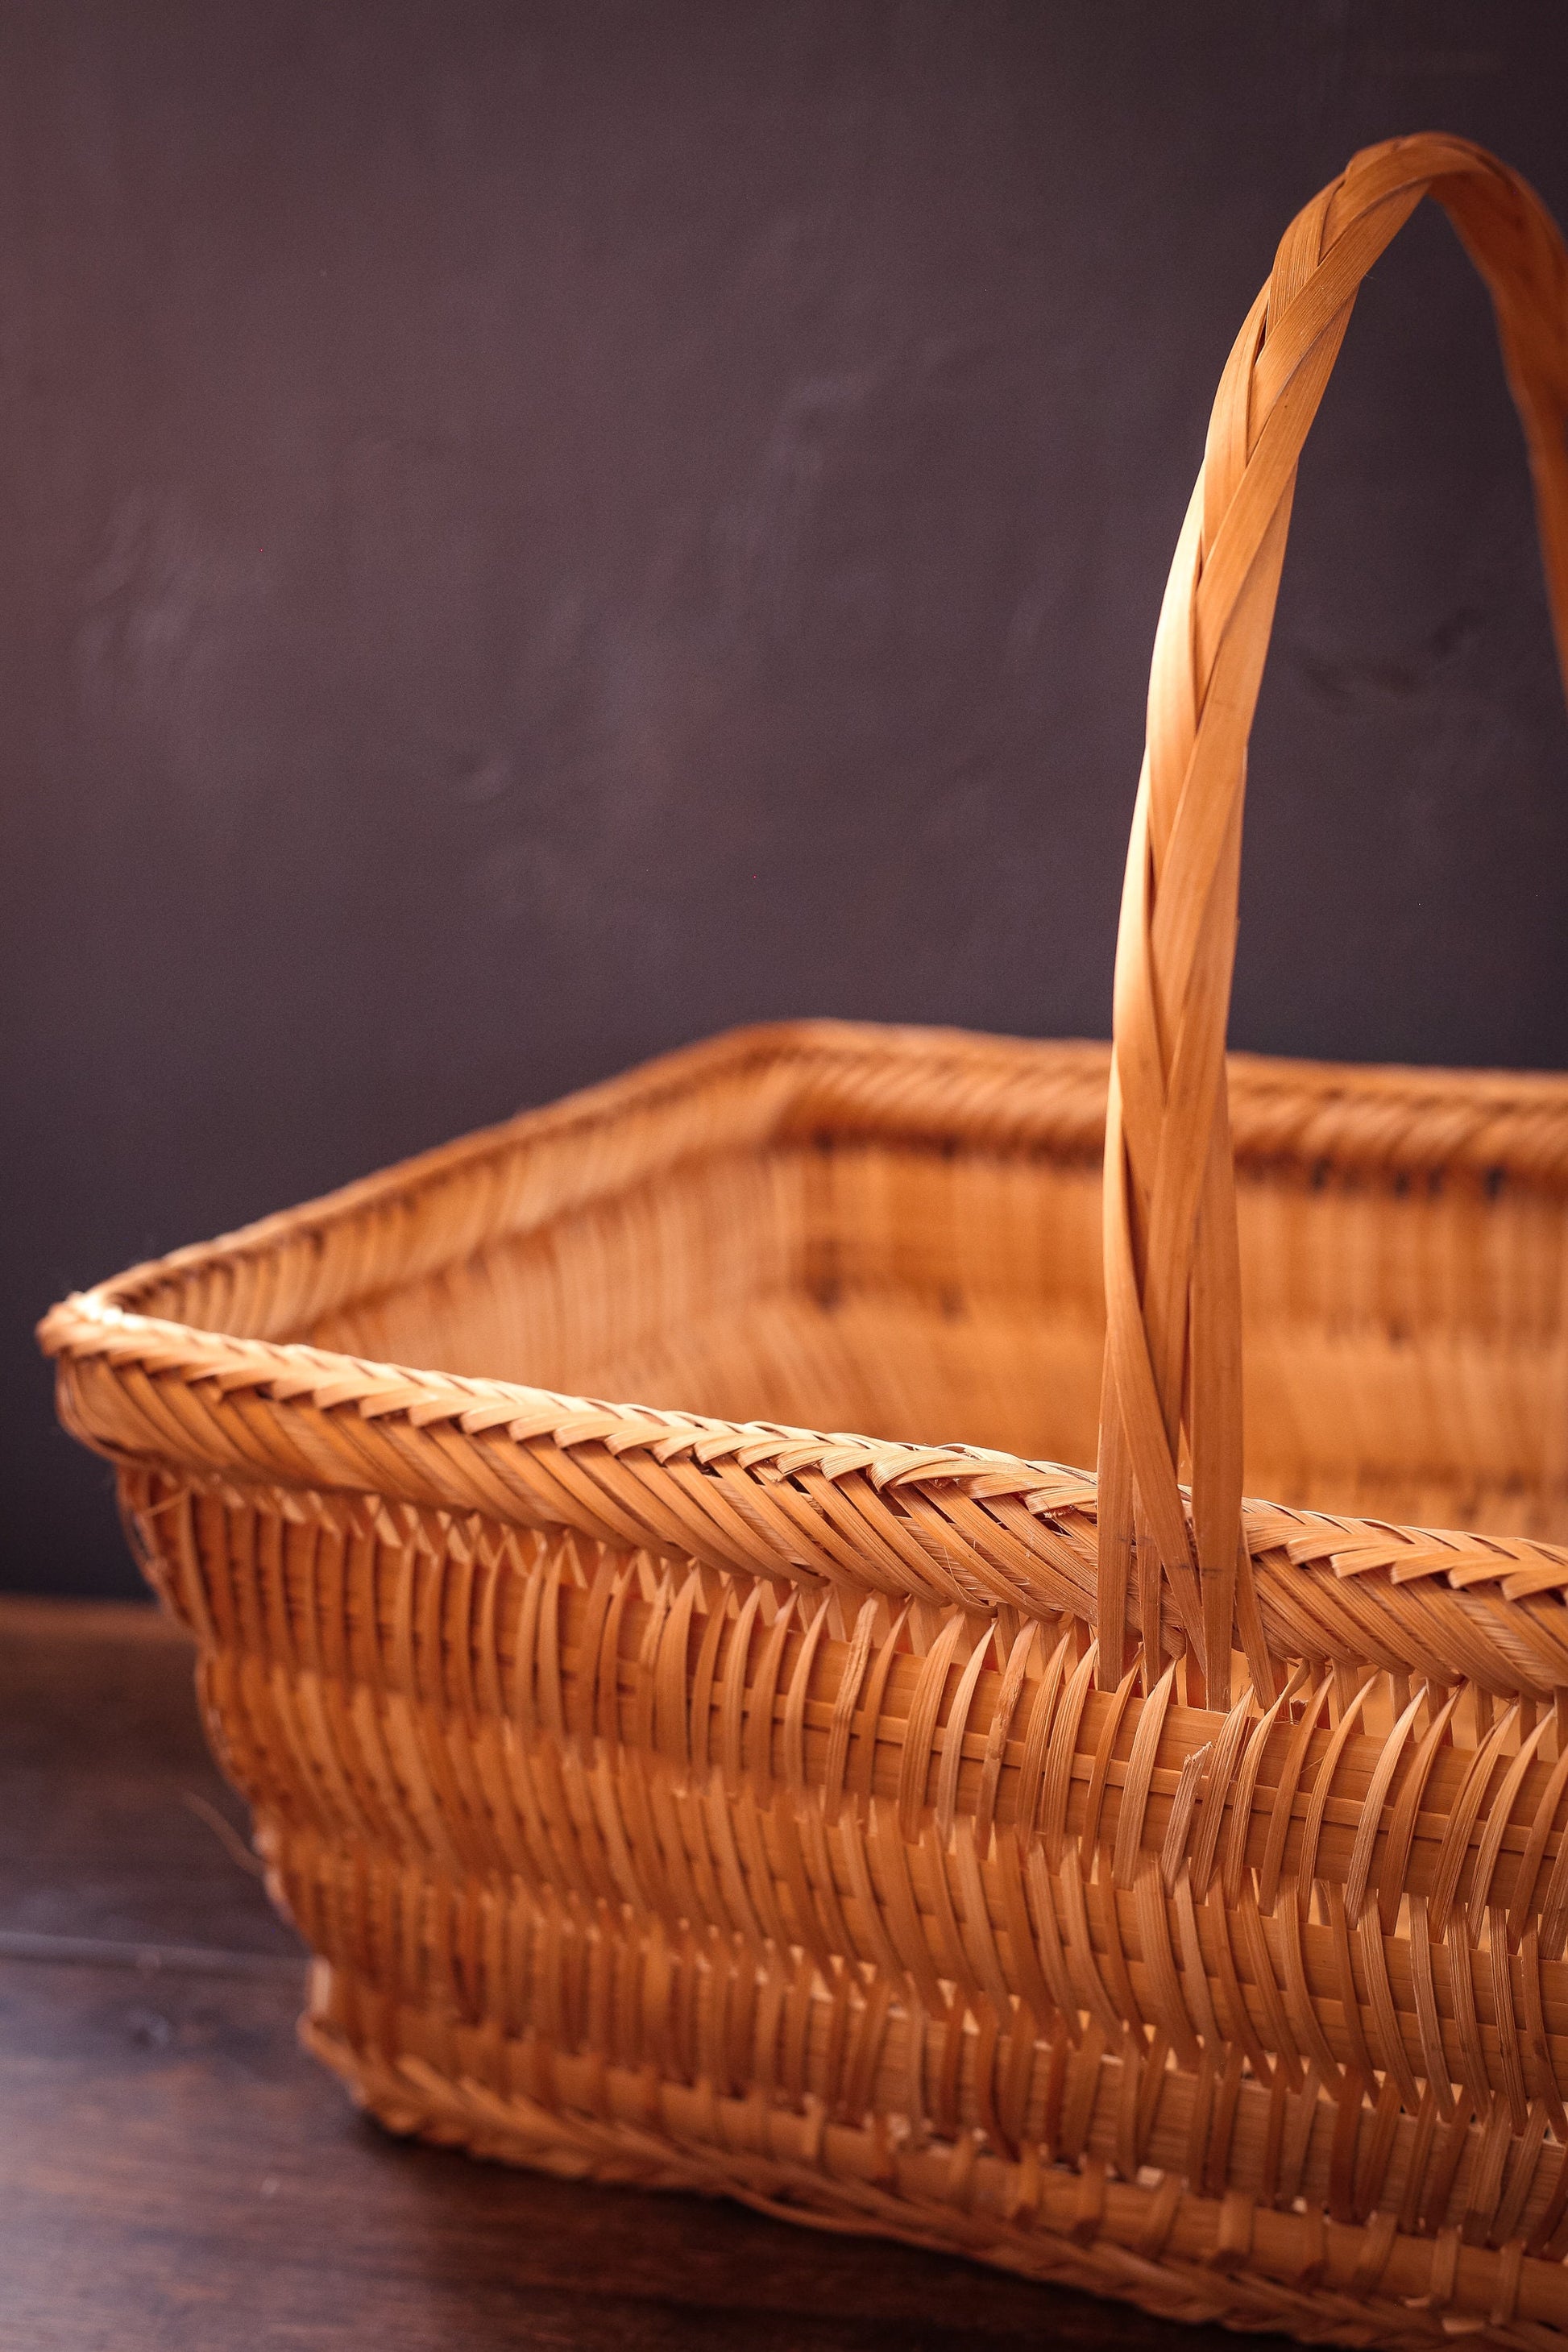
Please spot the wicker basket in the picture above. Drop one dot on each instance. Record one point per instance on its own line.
(1115, 1881)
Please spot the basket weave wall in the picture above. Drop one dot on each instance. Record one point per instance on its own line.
(1105, 1877)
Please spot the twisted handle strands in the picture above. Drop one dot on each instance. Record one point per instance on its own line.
(1173, 1355)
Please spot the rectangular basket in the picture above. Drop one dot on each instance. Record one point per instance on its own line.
(1109, 1879)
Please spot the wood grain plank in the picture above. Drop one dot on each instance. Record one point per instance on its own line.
(116, 1822)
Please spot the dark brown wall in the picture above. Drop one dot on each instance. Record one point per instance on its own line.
(531, 533)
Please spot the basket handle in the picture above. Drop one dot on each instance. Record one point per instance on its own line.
(1173, 1350)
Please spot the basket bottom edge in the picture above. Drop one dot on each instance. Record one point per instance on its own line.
(409, 2097)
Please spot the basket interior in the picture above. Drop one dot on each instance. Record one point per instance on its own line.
(884, 1285)
(898, 1234)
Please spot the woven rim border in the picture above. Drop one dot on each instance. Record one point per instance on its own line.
(949, 1524)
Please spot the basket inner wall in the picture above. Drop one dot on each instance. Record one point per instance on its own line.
(1406, 1340)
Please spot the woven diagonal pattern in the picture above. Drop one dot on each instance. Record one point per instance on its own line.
(806, 1786)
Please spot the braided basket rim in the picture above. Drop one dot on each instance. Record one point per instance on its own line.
(1490, 1606)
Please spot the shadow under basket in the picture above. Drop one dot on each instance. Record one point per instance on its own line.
(1105, 1877)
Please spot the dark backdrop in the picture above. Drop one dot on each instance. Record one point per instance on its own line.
(533, 533)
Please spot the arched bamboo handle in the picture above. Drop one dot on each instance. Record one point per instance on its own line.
(1173, 1354)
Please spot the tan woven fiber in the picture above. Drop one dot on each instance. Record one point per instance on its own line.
(1118, 1881)
(1173, 1363)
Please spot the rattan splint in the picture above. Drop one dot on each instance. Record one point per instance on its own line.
(1108, 1877)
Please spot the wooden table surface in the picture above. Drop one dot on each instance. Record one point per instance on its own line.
(175, 2173)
